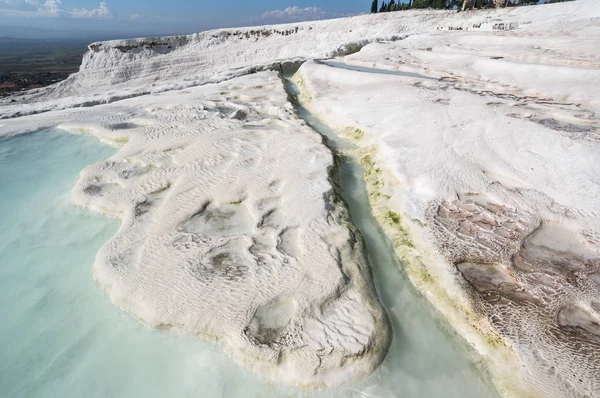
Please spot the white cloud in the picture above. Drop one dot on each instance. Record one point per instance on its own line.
(51, 8)
(136, 17)
(101, 12)
(16, 3)
(295, 14)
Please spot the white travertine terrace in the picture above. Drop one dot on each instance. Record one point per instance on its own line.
(484, 174)
(231, 230)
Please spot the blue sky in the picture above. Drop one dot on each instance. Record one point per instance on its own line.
(135, 17)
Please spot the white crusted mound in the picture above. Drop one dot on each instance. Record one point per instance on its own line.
(119, 69)
(230, 228)
(231, 231)
(488, 181)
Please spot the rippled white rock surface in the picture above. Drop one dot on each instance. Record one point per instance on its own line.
(231, 230)
(484, 172)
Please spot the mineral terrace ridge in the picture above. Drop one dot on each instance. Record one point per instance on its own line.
(478, 132)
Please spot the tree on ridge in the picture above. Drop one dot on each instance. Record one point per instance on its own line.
(374, 6)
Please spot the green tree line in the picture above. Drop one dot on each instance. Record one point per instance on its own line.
(451, 4)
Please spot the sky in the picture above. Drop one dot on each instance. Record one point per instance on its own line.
(132, 18)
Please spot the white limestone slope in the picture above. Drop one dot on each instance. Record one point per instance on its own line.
(119, 69)
(231, 230)
(486, 178)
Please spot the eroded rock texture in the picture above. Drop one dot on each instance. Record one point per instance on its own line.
(535, 279)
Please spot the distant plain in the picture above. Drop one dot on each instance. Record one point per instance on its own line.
(33, 63)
